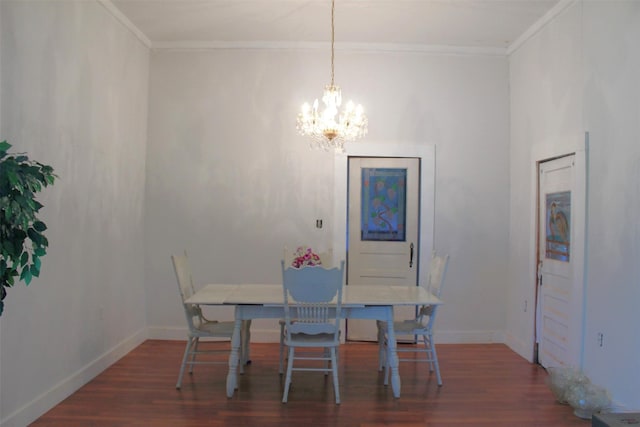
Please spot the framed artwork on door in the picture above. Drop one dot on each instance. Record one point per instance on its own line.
(558, 222)
(383, 204)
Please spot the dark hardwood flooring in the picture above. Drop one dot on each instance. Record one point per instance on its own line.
(484, 385)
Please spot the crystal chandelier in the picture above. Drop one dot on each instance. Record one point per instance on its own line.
(331, 128)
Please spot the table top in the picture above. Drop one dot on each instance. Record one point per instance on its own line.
(353, 295)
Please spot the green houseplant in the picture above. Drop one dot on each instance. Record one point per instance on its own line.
(22, 243)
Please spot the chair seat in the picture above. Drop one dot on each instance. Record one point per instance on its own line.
(215, 328)
(306, 340)
(405, 327)
(411, 327)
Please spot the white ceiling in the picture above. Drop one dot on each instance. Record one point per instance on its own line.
(476, 24)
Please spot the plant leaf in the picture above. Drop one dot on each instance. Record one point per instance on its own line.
(8, 246)
(13, 178)
(39, 226)
(26, 275)
(4, 146)
(35, 236)
(35, 271)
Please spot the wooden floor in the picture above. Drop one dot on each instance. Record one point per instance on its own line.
(484, 385)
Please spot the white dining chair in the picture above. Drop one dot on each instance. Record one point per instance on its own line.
(198, 325)
(312, 312)
(326, 260)
(419, 328)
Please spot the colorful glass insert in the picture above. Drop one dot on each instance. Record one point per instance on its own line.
(384, 204)
(558, 232)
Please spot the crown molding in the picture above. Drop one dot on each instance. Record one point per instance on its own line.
(125, 21)
(350, 47)
(556, 10)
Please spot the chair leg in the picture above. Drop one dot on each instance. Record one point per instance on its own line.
(381, 346)
(281, 348)
(334, 366)
(187, 349)
(434, 358)
(430, 353)
(194, 352)
(328, 358)
(287, 381)
(387, 368)
(424, 341)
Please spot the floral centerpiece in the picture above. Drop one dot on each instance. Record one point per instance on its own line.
(304, 256)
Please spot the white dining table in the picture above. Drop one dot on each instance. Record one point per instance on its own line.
(264, 301)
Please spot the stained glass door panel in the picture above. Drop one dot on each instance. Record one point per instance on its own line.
(558, 217)
(383, 209)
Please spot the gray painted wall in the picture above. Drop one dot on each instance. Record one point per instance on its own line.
(230, 181)
(74, 95)
(580, 73)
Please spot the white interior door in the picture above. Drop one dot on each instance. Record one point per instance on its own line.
(383, 243)
(560, 262)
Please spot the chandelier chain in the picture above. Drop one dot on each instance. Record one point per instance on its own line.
(333, 6)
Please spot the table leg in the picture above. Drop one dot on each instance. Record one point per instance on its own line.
(392, 356)
(234, 357)
(246, 339)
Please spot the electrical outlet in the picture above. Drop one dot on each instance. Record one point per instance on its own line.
(600, 339)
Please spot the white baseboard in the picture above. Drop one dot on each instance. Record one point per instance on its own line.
(48, 399)
(166, 333)
(468, 337)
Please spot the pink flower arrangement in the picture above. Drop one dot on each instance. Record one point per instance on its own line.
(305, 256)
